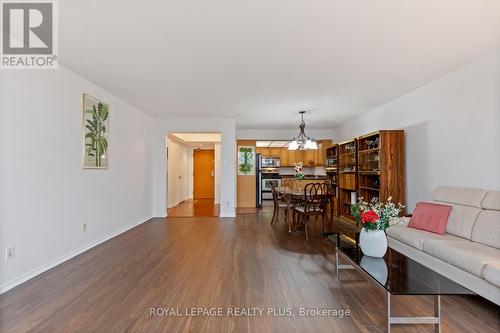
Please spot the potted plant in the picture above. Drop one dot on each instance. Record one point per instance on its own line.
(375, 217)
(299, 174)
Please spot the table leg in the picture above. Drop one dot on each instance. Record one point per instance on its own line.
(337, 262)
(437, 313)
(436, 320)
(388, 312)
(289, 213)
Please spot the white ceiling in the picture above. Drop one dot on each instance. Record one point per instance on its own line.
(197, 140)
(198, 137)
(272, 144)
(262, 61)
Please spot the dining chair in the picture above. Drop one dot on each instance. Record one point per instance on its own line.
(313, 205)
(278, 204)
(328, 193)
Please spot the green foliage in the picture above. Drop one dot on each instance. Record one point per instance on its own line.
(384, 211)
(245, 166)
(96, 143)
(299, 176)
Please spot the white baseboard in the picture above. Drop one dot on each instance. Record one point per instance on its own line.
(230, 213)
(172, 205)
(31, 274)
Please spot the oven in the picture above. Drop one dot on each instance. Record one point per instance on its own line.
(266, 184)
(267, 180)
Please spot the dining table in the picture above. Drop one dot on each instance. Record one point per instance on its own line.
(291, 196)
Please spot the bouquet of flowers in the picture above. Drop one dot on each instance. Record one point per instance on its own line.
(298, 170)
(376, 215)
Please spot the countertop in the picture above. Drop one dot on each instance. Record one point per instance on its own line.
(306, 177)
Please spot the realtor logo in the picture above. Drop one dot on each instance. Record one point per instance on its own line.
(29, 35)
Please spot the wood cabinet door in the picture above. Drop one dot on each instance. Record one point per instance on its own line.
(319, 156)
(300, 157)
(309, 157)
(284, 157)
(275, 152)
(347, 181)
(291, 157)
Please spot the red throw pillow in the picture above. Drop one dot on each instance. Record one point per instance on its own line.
(430, 217)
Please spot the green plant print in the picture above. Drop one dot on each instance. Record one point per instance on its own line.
(245, 160)
(96, 143)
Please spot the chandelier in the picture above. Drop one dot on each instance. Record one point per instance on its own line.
(302, 142)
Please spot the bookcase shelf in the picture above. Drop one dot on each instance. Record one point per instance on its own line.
(371, 166)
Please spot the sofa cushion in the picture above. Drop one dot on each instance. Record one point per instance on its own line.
(464, 254)
(459, 195)
(487, 228)
(414, 237)
(491, 200)
(430, 217)
(462, 220)
(491, 273)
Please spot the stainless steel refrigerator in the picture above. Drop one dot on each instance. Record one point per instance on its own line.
(258, 179)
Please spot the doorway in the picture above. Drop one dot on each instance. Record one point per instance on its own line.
(203, 173)
(193, 174)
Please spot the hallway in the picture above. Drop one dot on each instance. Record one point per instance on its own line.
(195, 208)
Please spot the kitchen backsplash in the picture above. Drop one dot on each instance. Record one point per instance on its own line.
(308, 171)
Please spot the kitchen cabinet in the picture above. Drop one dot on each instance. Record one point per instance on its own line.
(284, 157)
(274, 151)
(307, 157)
(310, 158)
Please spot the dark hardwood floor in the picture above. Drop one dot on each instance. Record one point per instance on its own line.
(195, 208)
(211, 262)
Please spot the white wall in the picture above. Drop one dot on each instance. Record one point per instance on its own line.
(452, 128)
(45, 194)
(180, 164)
(226, 127)
(217, 157)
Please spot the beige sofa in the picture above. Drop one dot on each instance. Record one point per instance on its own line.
(469, 252)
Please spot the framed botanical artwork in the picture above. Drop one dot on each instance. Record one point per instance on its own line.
(95, 133)
(246, 160)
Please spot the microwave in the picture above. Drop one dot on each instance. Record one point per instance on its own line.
(270, 162)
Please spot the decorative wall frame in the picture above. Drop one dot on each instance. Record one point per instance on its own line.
(95, 131)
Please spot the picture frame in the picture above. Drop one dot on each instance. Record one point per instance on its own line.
(95, 133)
(246, 160)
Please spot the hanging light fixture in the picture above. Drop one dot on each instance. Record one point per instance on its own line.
(302, 142)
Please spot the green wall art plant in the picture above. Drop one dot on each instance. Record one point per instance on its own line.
(246, 158)
(95, 130)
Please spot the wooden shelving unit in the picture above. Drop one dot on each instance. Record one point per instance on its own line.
(347, 180)
(381, 166)
(332, 167)
(375, 168)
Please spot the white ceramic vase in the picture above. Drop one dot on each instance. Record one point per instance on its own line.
(373, 243)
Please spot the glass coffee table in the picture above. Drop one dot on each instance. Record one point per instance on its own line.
(398, 275)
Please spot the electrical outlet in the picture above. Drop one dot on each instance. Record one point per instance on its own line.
(10, 253)
(84, 226)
